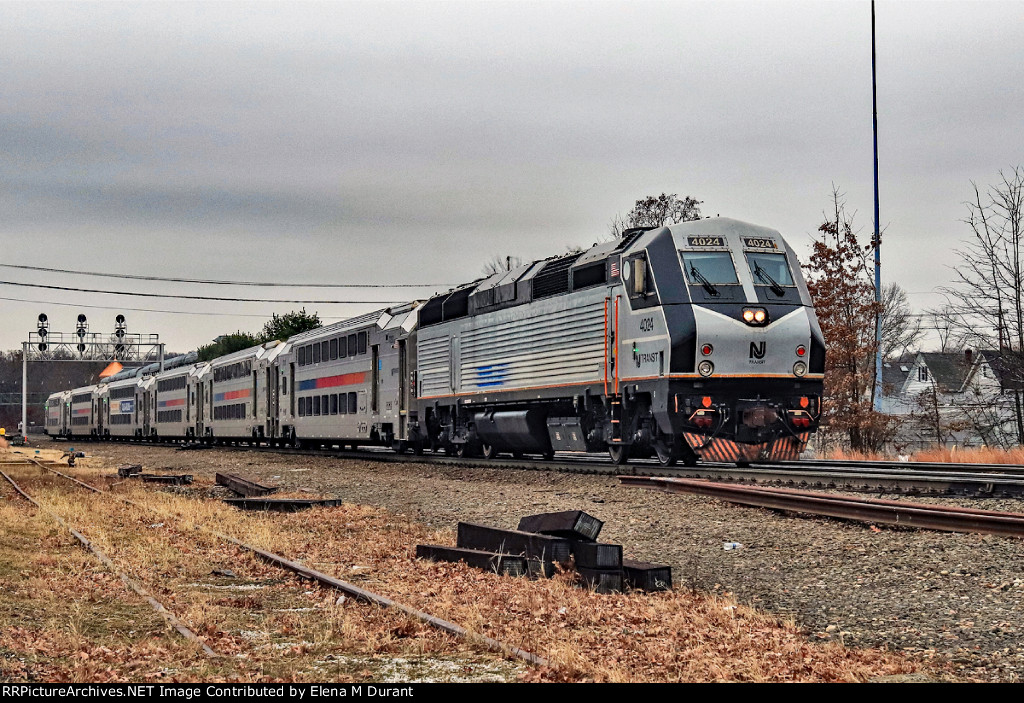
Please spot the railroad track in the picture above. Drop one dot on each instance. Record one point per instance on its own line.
(348, 589)
(931, 517)
(882, 477)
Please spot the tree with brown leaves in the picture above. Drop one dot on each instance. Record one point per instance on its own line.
(839, 280)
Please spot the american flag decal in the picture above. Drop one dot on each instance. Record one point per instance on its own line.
(615, 269)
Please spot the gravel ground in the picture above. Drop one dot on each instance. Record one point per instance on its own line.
(953, 597)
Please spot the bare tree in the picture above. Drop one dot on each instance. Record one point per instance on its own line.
(501, 263)
(987, 299)
(901, 329)
(657, 211)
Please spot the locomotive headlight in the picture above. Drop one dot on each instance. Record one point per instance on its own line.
(705, 368)
(755, 316)
(799, 368)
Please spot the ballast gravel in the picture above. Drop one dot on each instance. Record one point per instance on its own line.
(954, 597)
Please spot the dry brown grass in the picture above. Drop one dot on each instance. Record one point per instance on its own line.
(674, 636)
(974, 455)
(281, 627)
(951, 455)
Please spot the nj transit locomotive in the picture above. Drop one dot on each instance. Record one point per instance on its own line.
(695, 340)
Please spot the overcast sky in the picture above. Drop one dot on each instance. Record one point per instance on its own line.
(410, 143)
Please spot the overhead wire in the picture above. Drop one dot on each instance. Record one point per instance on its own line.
(121, 308)
(200, 297)
(219, 282)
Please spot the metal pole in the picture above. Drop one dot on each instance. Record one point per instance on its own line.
(24, 392)
(161, 356)
(877, 237)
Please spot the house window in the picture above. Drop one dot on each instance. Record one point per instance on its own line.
(922, 374)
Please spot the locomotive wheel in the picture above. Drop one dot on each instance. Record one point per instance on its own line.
(667, 456)
(517, 455)
(400, 447)
(548, 456)
(619, 454)
(417, 448)
(462, 450)
(488, 451)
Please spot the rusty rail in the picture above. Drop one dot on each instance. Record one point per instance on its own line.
(131, 583)
(243, 486)
(890, 512)
(347, 588)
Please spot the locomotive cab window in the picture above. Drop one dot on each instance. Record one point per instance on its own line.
(714, 267)
(771, 274)
(635, 276)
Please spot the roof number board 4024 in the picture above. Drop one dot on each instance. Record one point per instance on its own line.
(705, 241)
(759, 243)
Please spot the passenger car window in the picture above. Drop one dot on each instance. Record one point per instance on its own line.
(334, 348)
(351, 345)
(342, 348)
(362, 342)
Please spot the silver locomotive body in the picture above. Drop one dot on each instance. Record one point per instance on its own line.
(638, 346)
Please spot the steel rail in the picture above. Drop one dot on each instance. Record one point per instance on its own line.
(131, 583)
(343, 586)
(1012, 469)
(921, 516)
(983, 480)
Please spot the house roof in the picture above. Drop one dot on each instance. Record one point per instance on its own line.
(949, 369)
(894, 374)
(1007, 366)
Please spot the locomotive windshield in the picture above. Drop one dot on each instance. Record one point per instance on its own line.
(709, 267)
(769, 270)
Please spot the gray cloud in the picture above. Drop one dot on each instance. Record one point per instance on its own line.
(351, 141)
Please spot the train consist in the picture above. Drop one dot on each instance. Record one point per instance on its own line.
(695, 340)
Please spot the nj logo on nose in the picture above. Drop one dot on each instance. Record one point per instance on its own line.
(757, 350)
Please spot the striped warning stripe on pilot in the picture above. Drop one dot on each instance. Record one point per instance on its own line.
(727, 450)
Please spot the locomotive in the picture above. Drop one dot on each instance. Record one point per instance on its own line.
(691, 341)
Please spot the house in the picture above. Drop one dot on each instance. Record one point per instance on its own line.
(966, 399)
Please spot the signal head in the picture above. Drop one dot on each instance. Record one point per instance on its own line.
(81, 318)
(119, 319)
(42, 318)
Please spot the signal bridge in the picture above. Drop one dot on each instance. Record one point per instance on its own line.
(83, 345)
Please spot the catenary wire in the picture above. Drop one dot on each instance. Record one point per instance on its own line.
(216, 282)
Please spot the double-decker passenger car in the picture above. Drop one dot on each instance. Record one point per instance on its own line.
(58, 414)
(349, 383)
(123, 404)
(235, 394)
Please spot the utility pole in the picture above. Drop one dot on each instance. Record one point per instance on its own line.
(877, 240)
(24, 393)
